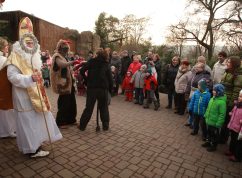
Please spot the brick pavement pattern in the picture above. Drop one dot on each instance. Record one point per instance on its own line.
(141, 143)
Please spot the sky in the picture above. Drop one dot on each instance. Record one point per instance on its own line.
(81, 15)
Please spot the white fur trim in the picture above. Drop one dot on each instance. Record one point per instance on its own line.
(36, 59)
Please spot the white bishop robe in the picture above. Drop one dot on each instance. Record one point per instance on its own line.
(31, 128)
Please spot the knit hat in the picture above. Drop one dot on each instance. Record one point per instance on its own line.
(185, 62)
(143, 67)
(203, 84)
(219, 88)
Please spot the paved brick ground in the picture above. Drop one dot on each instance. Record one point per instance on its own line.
(140, 143)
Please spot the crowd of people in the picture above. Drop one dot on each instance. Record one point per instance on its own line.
(211, 97)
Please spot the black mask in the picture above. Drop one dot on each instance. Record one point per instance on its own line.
(65, 49)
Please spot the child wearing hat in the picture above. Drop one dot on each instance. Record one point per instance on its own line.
(128, 86)
(198, 106)
(149, 90)
(235, 127)
(215, 116)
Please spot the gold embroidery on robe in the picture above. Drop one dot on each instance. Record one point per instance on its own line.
(35, 93)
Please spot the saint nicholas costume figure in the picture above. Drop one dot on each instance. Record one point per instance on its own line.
(35, 122)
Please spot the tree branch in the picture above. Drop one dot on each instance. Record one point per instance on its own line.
(194, 36)
(220, 6)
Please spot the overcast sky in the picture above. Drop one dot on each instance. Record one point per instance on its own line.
(81, 15)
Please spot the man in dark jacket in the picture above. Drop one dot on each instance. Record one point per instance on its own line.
(125, 62)
(116, 62)
(99, 83)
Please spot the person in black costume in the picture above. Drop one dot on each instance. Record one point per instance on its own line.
(99, 83)
(62, 84)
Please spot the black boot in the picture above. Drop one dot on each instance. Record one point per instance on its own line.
(158, 102)
(206, 144)
(146, 104)
(105, 126)
(212, 148)
(156, 105)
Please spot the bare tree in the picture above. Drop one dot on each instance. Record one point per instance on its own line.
(176, 38)
(133, 28)
(209, 10)
(232, 29)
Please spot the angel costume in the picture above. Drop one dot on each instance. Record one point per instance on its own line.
(29, 102)
(7, 115)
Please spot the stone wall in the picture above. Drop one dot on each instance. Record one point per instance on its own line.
(87, 41)
(48, 34)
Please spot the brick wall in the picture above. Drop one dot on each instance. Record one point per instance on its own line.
(50, 34)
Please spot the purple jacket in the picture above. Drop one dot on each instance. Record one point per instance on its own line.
(235, 122)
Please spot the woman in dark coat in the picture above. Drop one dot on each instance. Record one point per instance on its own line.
(169, 79)
(99, 83)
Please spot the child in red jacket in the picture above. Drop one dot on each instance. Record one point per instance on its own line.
(149, 90)
(128, 86)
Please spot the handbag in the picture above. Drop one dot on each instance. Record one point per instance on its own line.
(163, 89)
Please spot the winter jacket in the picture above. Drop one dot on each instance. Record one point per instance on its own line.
(116, 62)
(61, 75)
(181, 81)
(158, 71)
(201, 75)
(199, 102)
(170, 76)
(125, 62)
(99, 74)
(150, 83)
(208, 69)
(45, 72)
(138, 79)
(134, 66)
(233, 85)
(216, 111)
(193, 83)
(218, 72)
(127, 85)
(235, 122)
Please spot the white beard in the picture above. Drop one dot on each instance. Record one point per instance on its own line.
(36, 59)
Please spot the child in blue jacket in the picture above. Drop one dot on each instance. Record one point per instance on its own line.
(198, 106)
